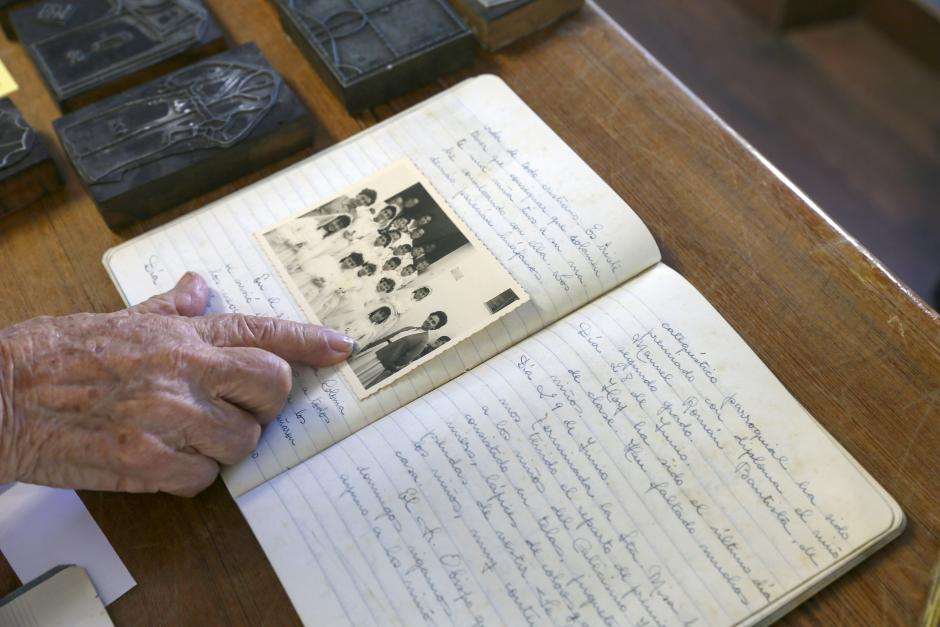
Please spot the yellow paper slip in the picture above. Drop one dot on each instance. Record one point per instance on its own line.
(7, 84)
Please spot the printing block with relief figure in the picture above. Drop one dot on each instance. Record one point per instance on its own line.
(86, 50)
(369, 51)
(498, 23)
(27, 172)
(155, 146)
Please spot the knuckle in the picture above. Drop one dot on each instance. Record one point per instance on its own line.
(150, 486)
(314, 335)
(138, 454)
(209, 471)
(161, 304)
(180, 353)
(240, 444)
(213, 360)
(193, 476)
(257, 329)
(187, 491)
(281, 378)
(209, 425)
(123, 483)
(198, 483)
(263, 373)
(251, 434)
(273, 386)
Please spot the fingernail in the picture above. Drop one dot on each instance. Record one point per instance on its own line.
(338, 342)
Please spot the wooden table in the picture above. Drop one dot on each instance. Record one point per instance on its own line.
(856, 347)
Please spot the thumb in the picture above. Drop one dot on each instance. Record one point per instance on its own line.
(188, 298)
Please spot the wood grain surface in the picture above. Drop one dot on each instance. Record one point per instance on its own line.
(856, 347)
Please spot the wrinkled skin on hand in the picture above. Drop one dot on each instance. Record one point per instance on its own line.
(152, 398)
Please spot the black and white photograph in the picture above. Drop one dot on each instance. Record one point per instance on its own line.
(389, 264)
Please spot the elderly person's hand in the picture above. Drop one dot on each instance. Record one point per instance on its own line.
(152, 398)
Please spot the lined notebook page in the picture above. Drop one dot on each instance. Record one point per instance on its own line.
(633, 464)
(559, 229)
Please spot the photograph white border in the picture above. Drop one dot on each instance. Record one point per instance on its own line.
(410, 175)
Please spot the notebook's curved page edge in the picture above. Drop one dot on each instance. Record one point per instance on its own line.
(895, 525)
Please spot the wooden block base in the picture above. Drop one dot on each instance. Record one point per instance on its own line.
(151, 148)
(27, 171)
(498, 26)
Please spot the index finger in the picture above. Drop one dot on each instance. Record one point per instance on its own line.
(296, 342)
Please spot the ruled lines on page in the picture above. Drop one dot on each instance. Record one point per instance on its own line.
(633, 464)
(562, 233)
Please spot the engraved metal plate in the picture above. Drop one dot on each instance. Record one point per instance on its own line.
(56, 13)
(359, 37)
(208, 105)
(90, 43)
(17, 138)
(41, 20)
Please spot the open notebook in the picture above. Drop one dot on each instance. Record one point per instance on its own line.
(610, 452)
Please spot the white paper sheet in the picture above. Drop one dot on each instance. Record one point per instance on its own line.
(41, 528)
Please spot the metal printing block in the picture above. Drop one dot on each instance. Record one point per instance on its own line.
(27, 172)
(86, 50)
(370, 51)
(160, 144)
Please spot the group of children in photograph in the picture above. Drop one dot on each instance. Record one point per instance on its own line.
(359, 269)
